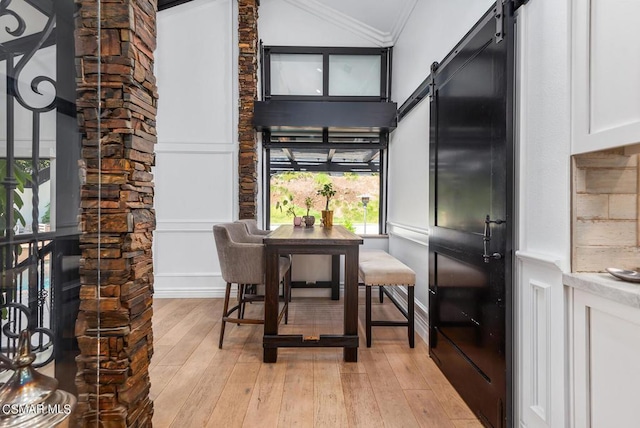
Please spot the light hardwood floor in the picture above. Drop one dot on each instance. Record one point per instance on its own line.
(195, 384)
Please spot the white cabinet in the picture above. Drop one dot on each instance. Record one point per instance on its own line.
(605, 74)
(605, 369)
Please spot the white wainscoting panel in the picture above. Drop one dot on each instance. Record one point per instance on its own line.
(540, 341)
(195, 70)
(541, 326)
(195, 186)
(606, 373)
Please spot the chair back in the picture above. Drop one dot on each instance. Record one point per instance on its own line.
(240, 262)
(252, 227)
(239, 233)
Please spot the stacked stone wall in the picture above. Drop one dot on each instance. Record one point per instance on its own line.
(116, 101)
(248, 87)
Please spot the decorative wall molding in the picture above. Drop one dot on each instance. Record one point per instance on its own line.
(379, 38)
(540, 340)
(408, 227)
(413, 234)
(187, 226)
(198, 285)
(545, 259)
(541, 366)
(197, 148)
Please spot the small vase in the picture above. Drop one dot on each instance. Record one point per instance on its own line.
(309, 220)
(297, 221)
(327, 218)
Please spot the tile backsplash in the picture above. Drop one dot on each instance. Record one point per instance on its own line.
(605, 209)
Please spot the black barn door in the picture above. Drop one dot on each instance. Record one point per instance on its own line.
(470, 239)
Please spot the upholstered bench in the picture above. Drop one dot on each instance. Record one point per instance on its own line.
(377, 267)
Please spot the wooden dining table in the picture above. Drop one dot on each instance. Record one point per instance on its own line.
(336, 241)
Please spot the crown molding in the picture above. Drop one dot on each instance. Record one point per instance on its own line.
(401, 20)
(379, 38)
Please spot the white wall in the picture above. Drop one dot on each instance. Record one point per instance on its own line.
(286, 23)
(196, 155)
(543, 211)
(433, 29)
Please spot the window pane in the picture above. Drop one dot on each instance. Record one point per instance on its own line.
(296, 74)
(354, 75)
(351, 189)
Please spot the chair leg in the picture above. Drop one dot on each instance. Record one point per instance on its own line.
(380, 290)
(224, 313)
(411, 316)
(241, 291)
(368, 314)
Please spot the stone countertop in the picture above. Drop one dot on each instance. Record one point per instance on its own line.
(605, 285)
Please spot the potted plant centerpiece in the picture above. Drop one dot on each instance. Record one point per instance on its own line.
(290, 210)
(308, 219)
(327, 215)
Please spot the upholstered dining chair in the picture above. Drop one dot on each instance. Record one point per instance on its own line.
(243, 263)
(252, 227)
(253, 230)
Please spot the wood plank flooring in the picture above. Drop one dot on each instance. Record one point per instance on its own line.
(195, 384)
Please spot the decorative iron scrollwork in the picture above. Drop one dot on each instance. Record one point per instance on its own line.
(5, 11)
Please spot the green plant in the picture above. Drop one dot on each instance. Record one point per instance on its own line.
(328, 192)
(348, 224)
(308, 202)
(290, 209)
(21, 177)
(46, 217)
(322, 178)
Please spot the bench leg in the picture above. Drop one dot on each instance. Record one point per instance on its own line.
(410, 317)
(368, 314)
(381, 292)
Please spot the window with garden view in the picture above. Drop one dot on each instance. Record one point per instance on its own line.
(353, 192)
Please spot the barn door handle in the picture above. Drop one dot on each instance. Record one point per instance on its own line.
(486, 237)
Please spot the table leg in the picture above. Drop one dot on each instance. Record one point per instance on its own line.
(271, 302)
(335, 277)
(351, 300)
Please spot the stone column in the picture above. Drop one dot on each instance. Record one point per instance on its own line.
(248, 86)
(116, 215)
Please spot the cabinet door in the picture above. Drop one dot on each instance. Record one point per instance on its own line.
(606, 374)
(605, 74)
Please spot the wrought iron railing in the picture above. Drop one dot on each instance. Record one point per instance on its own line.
(27, 298)
(25, 259)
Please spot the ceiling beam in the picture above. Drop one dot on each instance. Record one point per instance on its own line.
(166, 4)
(371, 156)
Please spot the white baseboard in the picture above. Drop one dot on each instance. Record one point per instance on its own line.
(182, 293)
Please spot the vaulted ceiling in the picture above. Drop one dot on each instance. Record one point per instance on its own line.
(379, 21)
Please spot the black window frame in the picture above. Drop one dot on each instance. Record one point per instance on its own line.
(362, 103)
(327, 52)
(381, 147)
